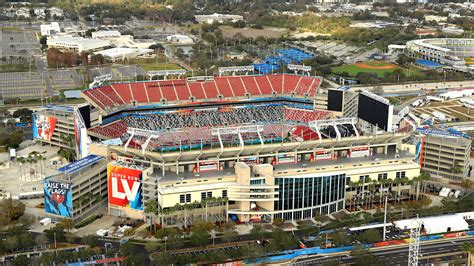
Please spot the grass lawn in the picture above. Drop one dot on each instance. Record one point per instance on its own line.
(17, 67)
(149, 64)
(377, 67)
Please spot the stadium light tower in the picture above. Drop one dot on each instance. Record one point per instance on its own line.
(414, 247)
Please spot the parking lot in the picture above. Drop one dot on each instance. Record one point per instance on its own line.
(453, 110)
(23, 85)
(338, 50)
(18, 43)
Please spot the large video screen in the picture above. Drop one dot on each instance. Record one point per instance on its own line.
(43, 127)
(124, 186)
(58, 198)
(374, 112)
(335, 100)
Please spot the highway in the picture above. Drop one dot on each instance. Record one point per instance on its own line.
(391, 255)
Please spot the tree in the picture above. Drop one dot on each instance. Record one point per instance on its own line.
(55, 232)
(21, 260)
(11, 210)
(363, 257)
(27, 220)
(91, 240)
(152, 246)
(257, 232)
(278, 222)
(282, 240)
(378, 90)
(200, 233)
(467, 184)
(341, 239)
(22, 113)
(370, 236)
(47, 258)
(229, 235)
(67, 224)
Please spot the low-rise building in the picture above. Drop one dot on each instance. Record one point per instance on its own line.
(180, 39)
(217, 18)
(120, 54)
(77, 44)
(50, 29)
(446, 156)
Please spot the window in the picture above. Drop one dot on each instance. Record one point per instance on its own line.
(188, 198)
(382, 176)
(224, 193)
(400, 174)
(203, 195)
(209, 194)
(181, 198)
(363, 178)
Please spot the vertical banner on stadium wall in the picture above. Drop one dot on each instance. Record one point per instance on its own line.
(419, 151)
(81, 137)
(58, 198)
(360, 152)
(43, 127)
(124, 187)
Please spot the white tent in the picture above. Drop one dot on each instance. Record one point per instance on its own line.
(436, 224)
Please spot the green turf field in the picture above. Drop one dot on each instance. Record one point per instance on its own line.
(377, 67)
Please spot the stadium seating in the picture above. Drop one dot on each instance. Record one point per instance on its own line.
(290, 82)
(123, 90)
(211, 89)
(263, 84)
(250, 85)
(113, 130)
(139, 93)
(154, 92)
(276, 82)
(237, 86)
(224, 87)
(115, 95)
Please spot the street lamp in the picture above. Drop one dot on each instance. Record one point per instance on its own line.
(165, 238)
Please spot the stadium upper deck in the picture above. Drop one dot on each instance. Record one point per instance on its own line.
(115, 97)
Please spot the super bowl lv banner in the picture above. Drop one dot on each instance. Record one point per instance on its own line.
(124, 185)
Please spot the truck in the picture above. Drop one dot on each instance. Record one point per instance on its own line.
(12, 154)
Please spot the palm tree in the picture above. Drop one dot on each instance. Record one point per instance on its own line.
(424, 176)
(21, 161)
(469, 249)
(466, 184)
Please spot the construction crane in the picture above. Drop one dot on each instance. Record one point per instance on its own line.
(414, 247)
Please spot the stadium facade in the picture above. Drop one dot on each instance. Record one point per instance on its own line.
(448, 51)
(239, 147)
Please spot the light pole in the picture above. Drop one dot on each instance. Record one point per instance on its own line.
(385, 218)
(55, 245)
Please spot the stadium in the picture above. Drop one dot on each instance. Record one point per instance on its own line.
(242, 148)
(448, 51)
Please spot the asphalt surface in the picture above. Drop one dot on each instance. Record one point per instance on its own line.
(398, 255)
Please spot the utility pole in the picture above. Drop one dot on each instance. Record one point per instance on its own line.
(385, 218)
(414, 247)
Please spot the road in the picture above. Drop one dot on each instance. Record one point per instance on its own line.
(392, 255)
